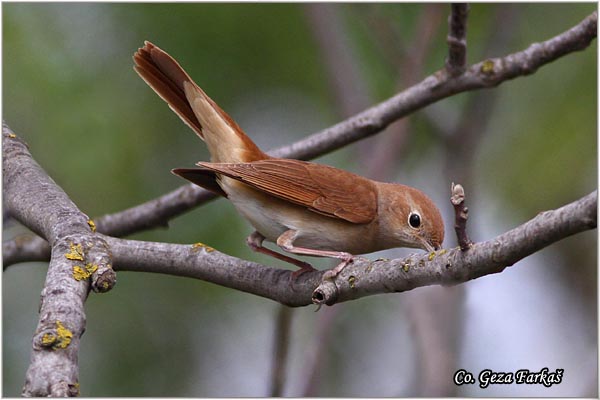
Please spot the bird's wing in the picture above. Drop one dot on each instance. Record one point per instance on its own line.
(320, 188)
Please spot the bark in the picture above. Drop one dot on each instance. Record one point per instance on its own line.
(363, 277)
(457, 39)
(35, 200)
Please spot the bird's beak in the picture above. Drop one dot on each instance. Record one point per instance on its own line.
(428, 246)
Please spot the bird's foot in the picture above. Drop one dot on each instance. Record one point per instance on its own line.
(332, 273)
(304, 267)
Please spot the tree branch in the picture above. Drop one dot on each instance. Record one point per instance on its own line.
(461, 214)
(363, 277)
(457, 39)
(390, 147)
(485, 74)
(35, 200)
(282, 339)
(148, 215)
(455, 266)
(349, 91)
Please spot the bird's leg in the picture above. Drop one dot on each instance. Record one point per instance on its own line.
(286, 242)
(255, 241)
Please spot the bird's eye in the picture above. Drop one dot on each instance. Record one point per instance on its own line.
(414, 219)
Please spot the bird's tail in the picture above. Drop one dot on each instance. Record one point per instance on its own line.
(226, 141)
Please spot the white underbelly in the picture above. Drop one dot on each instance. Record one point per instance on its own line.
(263, 218)
(271, 217)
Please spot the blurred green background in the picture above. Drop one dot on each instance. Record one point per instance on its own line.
(70, 91)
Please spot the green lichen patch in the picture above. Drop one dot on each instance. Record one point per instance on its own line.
(92, 225)
(406, 267)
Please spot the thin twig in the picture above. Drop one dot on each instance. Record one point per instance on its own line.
(461, 214)
(457, 39)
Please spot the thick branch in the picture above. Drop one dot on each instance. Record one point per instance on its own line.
(24, 248)
(363, 277)
(35, 200)
(148, 215)
(435, 87)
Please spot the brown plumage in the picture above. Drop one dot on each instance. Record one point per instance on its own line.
(319, 188)
(306, 208)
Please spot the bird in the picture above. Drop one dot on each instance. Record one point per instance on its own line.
(305, 208)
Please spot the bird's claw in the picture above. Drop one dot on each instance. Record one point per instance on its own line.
(332, 273)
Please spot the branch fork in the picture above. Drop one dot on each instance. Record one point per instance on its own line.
(34, 199)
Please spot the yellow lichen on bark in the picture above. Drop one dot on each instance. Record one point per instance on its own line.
(198, 246)
(48, 339)
(59, 340)
(81, 273)
(64, 336)
(487, 67)
(75, 253)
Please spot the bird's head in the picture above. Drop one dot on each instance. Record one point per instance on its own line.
(410, 218)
